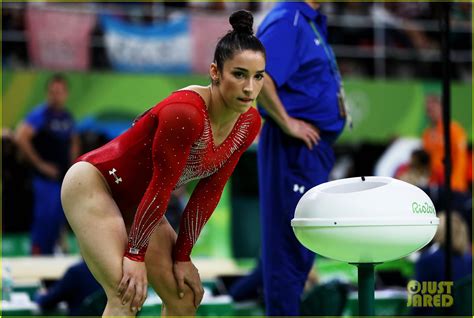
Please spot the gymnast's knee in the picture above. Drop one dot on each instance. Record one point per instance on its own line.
(180, 307)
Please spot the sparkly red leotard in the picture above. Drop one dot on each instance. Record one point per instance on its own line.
(169, 146)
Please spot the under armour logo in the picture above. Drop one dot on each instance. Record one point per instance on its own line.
(117, 179)
(317, 42)
(297, 188)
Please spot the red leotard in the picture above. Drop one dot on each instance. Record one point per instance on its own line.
(169, 146)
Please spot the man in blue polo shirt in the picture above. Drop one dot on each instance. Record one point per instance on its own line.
(47, 138)
(302, 103)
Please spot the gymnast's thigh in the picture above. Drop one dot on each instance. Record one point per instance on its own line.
(97, 223)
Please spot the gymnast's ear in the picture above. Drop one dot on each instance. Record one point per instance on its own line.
(214, 73)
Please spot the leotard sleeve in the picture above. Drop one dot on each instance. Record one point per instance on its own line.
(178, 127)
(205, 198)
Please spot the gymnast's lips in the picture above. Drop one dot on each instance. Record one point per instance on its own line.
(245, 100)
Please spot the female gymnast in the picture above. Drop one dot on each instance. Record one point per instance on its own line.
(114, 197)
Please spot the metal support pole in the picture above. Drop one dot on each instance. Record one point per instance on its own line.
(366, 282)
(446, 98)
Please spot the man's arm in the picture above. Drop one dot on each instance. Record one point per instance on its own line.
(24, 137)
(269, 99)
(75, 147)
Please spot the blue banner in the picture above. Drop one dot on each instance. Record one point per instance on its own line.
(163, 47)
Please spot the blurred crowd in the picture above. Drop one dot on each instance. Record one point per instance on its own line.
(370, 39)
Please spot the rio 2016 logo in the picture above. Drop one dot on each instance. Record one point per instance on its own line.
(422, 208)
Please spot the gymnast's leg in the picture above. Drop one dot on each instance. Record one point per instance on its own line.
(100, 230)
(159, 265)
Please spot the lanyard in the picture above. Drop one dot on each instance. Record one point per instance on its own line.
(329, 53)
(335, 71)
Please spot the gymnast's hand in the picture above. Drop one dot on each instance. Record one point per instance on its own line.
(134, 285)
(302, 130)
(187, 273)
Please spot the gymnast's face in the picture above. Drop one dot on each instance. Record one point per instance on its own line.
(241, 79)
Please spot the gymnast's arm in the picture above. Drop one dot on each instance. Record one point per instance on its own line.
(179, 126)
(199, 209)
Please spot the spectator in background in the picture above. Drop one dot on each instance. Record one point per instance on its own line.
(433, 144)
(48, 140)
(353, 13)
(461, 37)
(73, 288)
(14, 53)
(430, 266)
(16, 187)
(394, 15)
(227, 6)
(417, 170)
(461, 25)
(176, 206)
(360, 36)
(412, 10)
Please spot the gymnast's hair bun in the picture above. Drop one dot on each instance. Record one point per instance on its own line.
(242, 22)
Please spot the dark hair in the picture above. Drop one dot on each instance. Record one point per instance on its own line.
(57, 77)
(239, 39)
(421, 157)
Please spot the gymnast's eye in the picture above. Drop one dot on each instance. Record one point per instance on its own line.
(238, 74)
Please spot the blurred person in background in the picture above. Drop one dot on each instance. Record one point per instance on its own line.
(461, 36)
(14, 53)
(303, 106)
(394, 15)
(227, 6)
(433, 144)
(48, 140)
(430, 265)
(115, 197)
(73, 288)
(417, 170)
(176, 206)
(17, 196)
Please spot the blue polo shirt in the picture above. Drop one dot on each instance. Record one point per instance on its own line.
(53, 132)
(299, 62)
